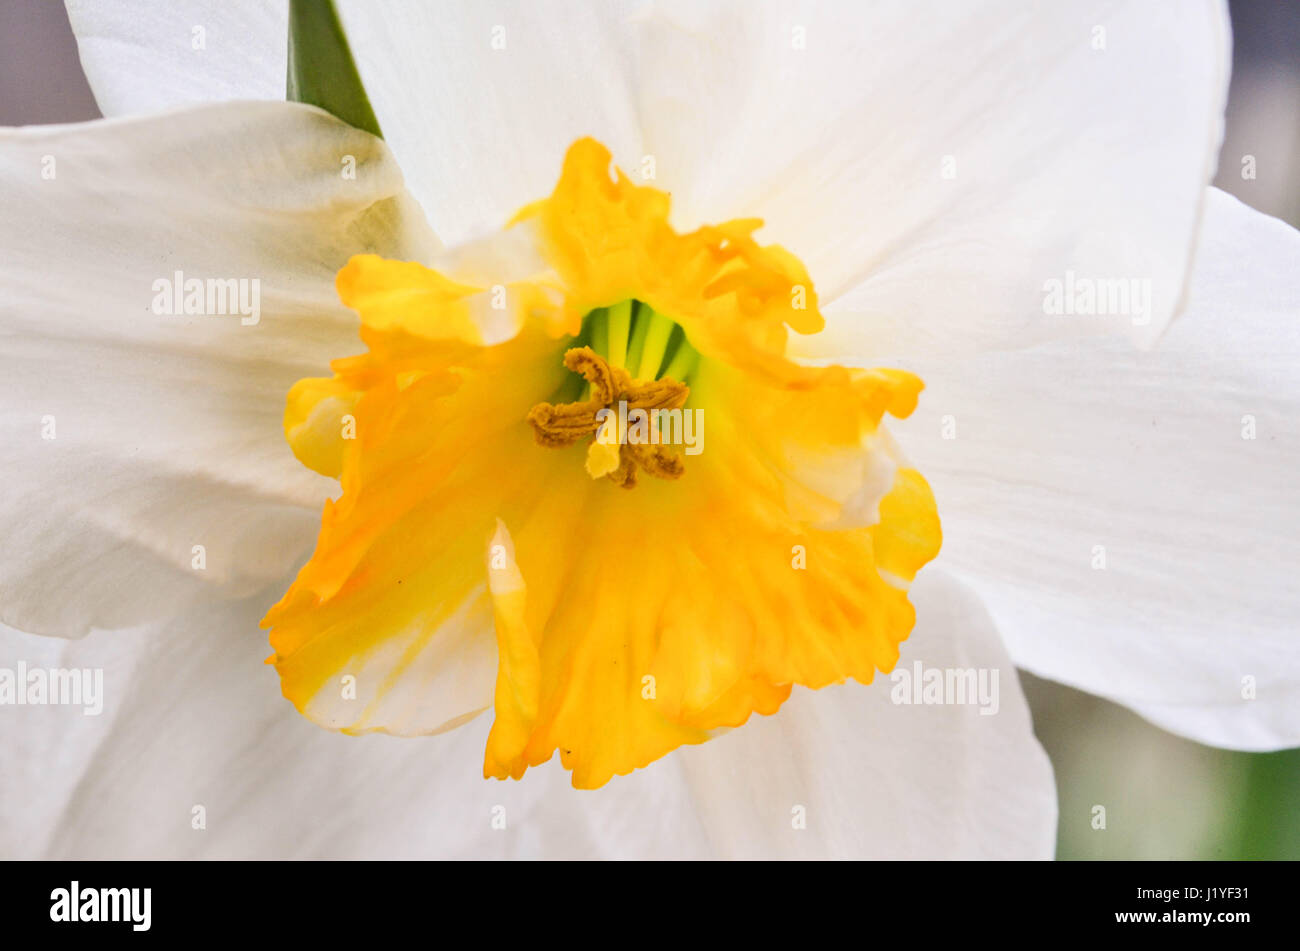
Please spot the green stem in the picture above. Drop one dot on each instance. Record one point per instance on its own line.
(640, 326)
(656, 342)
(600, 332)
(321, 69)
(620, 324)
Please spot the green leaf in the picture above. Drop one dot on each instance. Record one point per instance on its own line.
(321, 70)
(1268, 824)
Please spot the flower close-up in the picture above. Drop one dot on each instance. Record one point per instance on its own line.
(625, 623)
(634, 429)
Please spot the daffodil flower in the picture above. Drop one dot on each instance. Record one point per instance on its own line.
(862, 197)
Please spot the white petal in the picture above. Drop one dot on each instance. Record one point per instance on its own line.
(192, 719)
(480, 101)
(935, 164)
(132, 436)
(1068, 457)
(148, 55)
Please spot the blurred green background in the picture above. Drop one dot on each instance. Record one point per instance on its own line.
(1165, 797)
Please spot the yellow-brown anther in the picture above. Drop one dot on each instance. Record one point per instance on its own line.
(559, 426)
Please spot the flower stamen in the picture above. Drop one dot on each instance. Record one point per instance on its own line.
(616, 391)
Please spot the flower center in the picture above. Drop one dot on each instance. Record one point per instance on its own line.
(636, 363)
